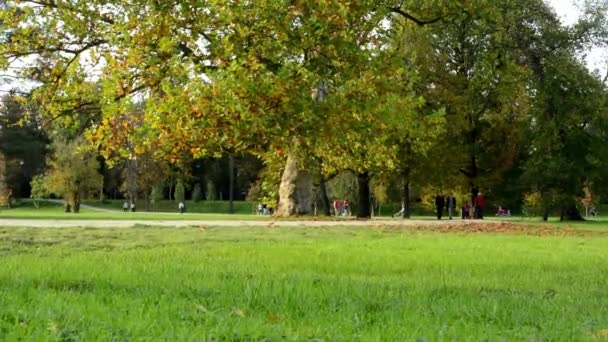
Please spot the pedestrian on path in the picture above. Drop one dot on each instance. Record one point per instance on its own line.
(439, 204)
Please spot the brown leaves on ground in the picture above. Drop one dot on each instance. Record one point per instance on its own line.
(473, 227)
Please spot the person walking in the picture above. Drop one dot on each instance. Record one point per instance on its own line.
(439, 204)
(480, 203)
(125, 206)
(182, 207)
(451, 205)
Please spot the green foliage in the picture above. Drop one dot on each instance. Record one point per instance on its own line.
(72, 172)
(22, 142)
(343, 187)
(157, 193)
(39, 190)
(197, 192)
(180, 191)
(210, 191)
(448, 94)
(533, 204)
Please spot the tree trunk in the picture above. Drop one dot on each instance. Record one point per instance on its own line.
(324, 199)
(295, 191)
(570, 213)
(170, 187)
(76, 203)
(546, 214)
(231, 183)
(405, 196)
(66, 204)
(147, 199)
(364, 208)
(101, 191)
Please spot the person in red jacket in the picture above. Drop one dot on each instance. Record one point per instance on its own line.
(480, 203)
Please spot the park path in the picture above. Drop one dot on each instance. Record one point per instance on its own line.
(52, 223)
(85, 206)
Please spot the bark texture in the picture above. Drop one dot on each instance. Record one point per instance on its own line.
(364, 208)
(295, 191)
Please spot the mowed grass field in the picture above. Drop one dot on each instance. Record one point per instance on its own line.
(330, 284)
(54, 211)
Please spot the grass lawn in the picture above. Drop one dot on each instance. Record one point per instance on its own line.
(55, 211)
(300, 284)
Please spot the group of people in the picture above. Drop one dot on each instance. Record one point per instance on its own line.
(449, 203)
(503, 212)
(263, 209)
(341, 208)
(126, 206)
(467, 211)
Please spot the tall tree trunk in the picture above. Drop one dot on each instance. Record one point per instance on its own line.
(546, 214)
(76, 204)
(170, 187)
(147, 199)
(405, 195)
(101, 191)
(67, 206)
(295, 191)
(231, 183)
(132, 178)
(364, 208)
(324, 198)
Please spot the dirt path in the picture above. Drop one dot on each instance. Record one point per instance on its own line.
(50, 223)
(444, 226)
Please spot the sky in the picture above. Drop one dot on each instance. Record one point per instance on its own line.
(597, 58)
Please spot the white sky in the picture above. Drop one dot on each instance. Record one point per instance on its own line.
(597, 58)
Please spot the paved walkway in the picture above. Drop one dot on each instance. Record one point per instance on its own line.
(51, 223)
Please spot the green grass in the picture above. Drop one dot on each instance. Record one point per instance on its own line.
(217, 207)
(26, 210)
(300, 284)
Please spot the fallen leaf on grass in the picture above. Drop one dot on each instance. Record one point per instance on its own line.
(238, 312)
(274, 317)
(201, 308)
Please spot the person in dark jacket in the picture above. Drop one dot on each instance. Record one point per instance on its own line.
(480, 204)
(439, 204)
(451, 205)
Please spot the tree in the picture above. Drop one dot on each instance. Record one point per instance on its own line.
(217, 77)
(22, 142)
(568, 136)
(180, 191)
(38, 190)
(5, 191)
(72, 172)
(568, 132)
(197, 192)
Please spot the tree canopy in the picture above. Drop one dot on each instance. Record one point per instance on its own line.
(456, 94)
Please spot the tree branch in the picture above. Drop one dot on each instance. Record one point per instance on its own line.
(417, 21)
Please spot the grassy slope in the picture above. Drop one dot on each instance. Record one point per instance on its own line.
(334, 284)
